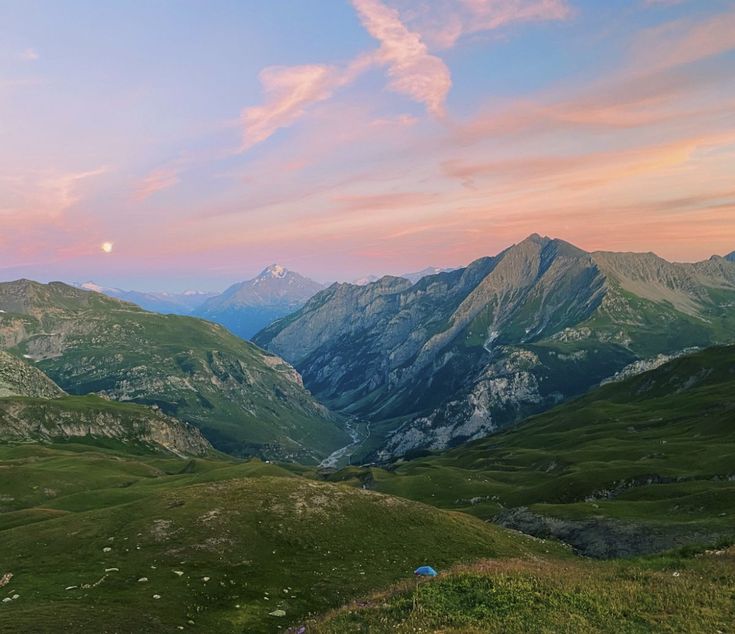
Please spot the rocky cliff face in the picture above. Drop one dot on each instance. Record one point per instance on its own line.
(244, 400)
(93, 420)
(460, 354)
(34, 409)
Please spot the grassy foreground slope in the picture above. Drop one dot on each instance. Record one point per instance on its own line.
(665, 594)
(244, 400)
(648, 463)
(101, 541)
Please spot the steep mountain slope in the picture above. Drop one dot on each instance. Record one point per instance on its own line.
(108, 542)
(634, 466)
(461, 354)
(730, 257)
(244, 400)
(249, 306)
(158, 302)
(18, 378)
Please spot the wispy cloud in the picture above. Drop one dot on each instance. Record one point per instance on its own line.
(684, 42)
(412, 70)
(28, 55)
(156, 181)
(443, 22)
(289, 91)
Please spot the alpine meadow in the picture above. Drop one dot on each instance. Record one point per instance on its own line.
(367, 316)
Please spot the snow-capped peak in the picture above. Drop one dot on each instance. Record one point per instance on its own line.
(91, 286)
(275, 270)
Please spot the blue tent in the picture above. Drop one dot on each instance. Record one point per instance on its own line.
(425, 571)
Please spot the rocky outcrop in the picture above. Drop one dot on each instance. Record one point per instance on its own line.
(605, 538)
(18, 378)
(92, 419)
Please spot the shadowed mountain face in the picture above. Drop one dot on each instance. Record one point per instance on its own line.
(247, 307)
(461, 354)
(730, 257)
(244, 400)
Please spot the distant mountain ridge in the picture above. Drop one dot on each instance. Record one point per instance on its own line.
(411, 277)
(160, 302)
(461, 354)
(419, 275)
(247, 307)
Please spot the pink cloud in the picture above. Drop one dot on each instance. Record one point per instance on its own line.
(412, 70)
(289, 91)
(443, 22)
(156, 181)
(683, 42)
(492, 14)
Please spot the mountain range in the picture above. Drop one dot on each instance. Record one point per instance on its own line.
(157, 301)
(411, 277)
(244, 308)
(247, 307)
(461, 354)
(244, 400)
(118, 514)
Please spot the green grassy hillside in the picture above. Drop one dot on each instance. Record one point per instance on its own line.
(634, 466)
(244, 400)
(108, 542)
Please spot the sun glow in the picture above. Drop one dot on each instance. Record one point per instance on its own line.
(106, 247)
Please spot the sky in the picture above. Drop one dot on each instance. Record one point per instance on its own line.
(183, 144)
